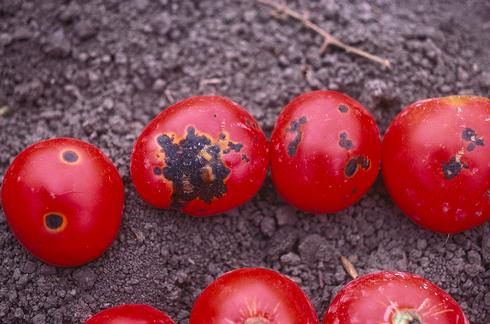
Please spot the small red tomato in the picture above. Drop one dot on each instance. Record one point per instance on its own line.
(203, 155)
(393, 298)
(253, 296)
(63, 199)
(325, 152)
(436, 162)
(130, 314)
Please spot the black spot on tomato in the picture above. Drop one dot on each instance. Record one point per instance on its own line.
(222, 136)
(195, 168)
(234, 147)
(452, 168)
(345, 142)
(295, 127)
(343, 108)
(157, 171)
(363, 162)
(245, 158)
(70, 156)
(53, 221)
(350, 168)
(470, 135)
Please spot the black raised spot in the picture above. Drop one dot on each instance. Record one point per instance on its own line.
(468, 134)
(363, 162)
(295, 128)
(157, 171)
(350, 168)
(222, 136)
(343, 108)
(345, 142)
(191, 174)
(70, 156)
(53, 221)
(452, 168)
(245, 158)
(235, 147)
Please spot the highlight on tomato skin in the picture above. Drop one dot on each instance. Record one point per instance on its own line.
(393, 298)
(130, 314)
(253, 296)
(63, 200)
(325, 152)
(435, 162)
(203, 156)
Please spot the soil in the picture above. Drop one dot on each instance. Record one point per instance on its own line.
(100, 70)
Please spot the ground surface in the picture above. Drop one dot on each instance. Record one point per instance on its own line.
(101, 70)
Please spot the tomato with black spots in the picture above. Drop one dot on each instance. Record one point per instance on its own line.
(203, 155)
(325, 152)
(63, 199)
(130, 314)
(393, 298)
(436, 162)
(253, 296)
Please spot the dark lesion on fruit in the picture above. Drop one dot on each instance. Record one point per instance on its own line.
(70, 156)
(345, 142)
(53, 221)
(453, 167)
(343, 108)
(245, 158)
(354, 164)
(295, 127)
(470, 136)
(194, 166)
(233, 147)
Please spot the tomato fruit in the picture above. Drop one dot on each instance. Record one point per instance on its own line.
(436, 162)
(325, 152)
(130, 314)
(393, 298)
(203, 155)
(63, 199)
(253, 296)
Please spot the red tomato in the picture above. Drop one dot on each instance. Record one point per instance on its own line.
(63, 199)
(253, 296)
(203, 155)
(393, 298)
(130, 314)
(325, 152)
(436, 162)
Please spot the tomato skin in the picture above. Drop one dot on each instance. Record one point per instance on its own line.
(130, 314)
(436, 162)
(63, 200)
(203, 155)
(325, 152)
(243, 295)
(377, 297)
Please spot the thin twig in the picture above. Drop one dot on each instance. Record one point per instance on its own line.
(281, 7)
(349, 267)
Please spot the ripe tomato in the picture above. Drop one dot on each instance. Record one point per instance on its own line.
(203, 155)
(393, 298)
(63, 199)
(253, 296)
(325, 152)
(130, 314)
(436, 162)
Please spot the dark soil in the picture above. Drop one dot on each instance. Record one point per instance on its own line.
(100, 70)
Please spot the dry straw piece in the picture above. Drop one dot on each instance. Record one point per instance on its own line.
(328, 39)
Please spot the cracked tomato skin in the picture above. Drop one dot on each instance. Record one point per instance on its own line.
(63, 199)
(253, 296)
(325, 152)
(203, 155)
(393, 298)
(436, 162)
(130, 314)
